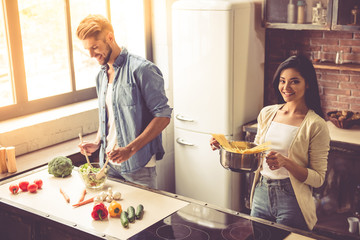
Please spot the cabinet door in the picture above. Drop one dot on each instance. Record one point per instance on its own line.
(336, 198)
(15, 227)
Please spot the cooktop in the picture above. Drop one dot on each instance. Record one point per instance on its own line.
(195, 222)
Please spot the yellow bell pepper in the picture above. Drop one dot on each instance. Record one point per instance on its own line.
(115, 209)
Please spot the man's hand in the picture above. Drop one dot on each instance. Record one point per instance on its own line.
(87, 148)
(120, 154)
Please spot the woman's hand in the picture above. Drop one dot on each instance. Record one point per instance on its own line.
(276, 160)
(215, 145)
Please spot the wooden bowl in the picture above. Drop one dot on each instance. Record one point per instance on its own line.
(343, 119)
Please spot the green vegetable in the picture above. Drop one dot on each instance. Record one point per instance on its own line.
(131, 214)
(60, 166)
(88, 174)
(124, 219)
(139, 211)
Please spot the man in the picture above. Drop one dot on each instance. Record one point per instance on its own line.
(133, 109)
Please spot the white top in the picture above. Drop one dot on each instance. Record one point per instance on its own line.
(280, 135)
(111, 137)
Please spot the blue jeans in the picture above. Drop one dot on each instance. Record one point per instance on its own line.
(145, 176)
(275, 200)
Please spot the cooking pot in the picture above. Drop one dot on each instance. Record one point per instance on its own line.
(238, 162)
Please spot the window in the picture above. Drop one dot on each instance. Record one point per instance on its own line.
(6, 94)
(42, 63)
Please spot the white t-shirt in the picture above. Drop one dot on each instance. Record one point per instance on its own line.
(280, 135)
(111, 137)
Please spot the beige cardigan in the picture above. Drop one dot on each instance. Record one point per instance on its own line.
(309, 148)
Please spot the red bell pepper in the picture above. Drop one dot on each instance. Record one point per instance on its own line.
(99, 212)
(14, 188)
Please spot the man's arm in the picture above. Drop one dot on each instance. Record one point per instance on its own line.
(153, 129)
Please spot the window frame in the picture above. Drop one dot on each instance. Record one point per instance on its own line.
(22, 105)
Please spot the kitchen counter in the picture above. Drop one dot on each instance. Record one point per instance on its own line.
(44, 214)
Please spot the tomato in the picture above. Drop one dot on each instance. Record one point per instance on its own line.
(39, 183)
(24, 185)
(32, 187)
(14, 188)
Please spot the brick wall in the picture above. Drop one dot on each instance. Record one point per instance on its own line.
(339, 90)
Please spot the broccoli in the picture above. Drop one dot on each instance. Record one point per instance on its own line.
(60, 166)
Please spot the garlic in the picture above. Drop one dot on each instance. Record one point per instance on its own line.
(109, 199)
(98, 199)
(116, 195)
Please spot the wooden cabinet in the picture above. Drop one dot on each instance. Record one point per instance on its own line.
(14, 226)
(16, 223)
(341, 15)
(336, 198)
(276, 15)
(346, 15)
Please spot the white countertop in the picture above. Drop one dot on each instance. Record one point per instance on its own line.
(48, 200)
(344, 135)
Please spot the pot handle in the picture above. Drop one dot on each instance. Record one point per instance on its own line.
(183, 142)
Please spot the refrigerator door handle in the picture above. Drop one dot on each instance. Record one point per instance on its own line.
(183, 142)
(183, 118)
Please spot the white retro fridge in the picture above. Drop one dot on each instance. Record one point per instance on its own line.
(218, 74)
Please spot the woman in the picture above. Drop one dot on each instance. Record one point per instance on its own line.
(297, 162)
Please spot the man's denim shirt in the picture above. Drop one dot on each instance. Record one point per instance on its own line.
(138, 96)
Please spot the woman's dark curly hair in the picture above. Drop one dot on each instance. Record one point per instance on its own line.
(304, 66)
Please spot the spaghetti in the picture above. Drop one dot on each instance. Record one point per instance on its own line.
(240, 147)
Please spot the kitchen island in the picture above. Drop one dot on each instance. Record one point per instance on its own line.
(46, 215)
(19, 220)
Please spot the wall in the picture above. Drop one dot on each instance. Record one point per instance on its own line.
(339, 90)
(36, 131)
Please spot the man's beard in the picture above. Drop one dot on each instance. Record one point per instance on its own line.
(107, 58)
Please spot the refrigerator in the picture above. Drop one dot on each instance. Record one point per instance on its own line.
(218, 78)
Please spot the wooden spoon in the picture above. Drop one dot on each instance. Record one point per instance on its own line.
(101, 173)
(87, 158)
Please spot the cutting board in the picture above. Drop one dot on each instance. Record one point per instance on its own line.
(49, 200)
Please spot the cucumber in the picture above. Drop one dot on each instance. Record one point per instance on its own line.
(131, 214)
(124, 219)
(139, 211)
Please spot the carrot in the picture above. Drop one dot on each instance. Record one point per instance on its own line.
(82, 196)
(65, 195)
(84, 202)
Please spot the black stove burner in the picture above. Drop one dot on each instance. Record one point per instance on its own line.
(195, 222)
(176, 231)
(180, 232)
(238, 231)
